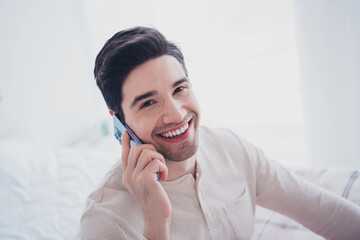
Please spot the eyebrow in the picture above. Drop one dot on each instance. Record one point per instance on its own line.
(178, 82)
(142, 97)
(152, 93)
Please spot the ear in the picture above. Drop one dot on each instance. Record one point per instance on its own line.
(111, 112)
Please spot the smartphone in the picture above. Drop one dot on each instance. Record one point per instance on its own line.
(120, 127)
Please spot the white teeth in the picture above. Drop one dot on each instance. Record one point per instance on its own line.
(176, 132)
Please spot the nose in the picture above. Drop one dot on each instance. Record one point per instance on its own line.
(174, 112)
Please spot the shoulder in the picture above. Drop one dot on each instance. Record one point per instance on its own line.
(225, 138)
(111, 210)
(97, 223)
(216, 135)
(226, 145)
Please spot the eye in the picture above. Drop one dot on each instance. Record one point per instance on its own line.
(147, 104)
(179, 89)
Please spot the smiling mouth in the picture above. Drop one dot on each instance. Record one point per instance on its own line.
(176, 132)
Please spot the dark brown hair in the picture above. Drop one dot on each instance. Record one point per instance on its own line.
(122, 53)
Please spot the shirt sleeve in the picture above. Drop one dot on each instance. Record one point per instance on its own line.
(325, 213)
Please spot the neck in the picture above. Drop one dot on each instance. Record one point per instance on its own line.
(178, 169)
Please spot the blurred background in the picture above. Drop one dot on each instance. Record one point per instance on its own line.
(283, 74)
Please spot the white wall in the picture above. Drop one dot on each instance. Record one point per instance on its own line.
(328, 34)
(46, 87)
(241, 56)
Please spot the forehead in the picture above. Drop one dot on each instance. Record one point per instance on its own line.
(154, 75)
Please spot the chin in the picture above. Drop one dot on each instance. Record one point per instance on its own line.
(182, 153)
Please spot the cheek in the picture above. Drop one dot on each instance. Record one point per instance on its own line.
(194, 103)
(143, 128)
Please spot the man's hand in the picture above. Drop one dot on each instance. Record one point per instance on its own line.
(141, 164)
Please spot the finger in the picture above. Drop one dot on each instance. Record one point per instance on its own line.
(154, 167)
(135, 153)
(145, 158)
(125, 139)
(162, 175)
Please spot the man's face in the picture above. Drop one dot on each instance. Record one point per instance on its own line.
(161, 108)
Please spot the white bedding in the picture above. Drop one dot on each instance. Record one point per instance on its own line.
(43, 192)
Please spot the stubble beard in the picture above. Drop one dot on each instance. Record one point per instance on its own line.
(184, 150)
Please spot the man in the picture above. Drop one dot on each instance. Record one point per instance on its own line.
(211, 180)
